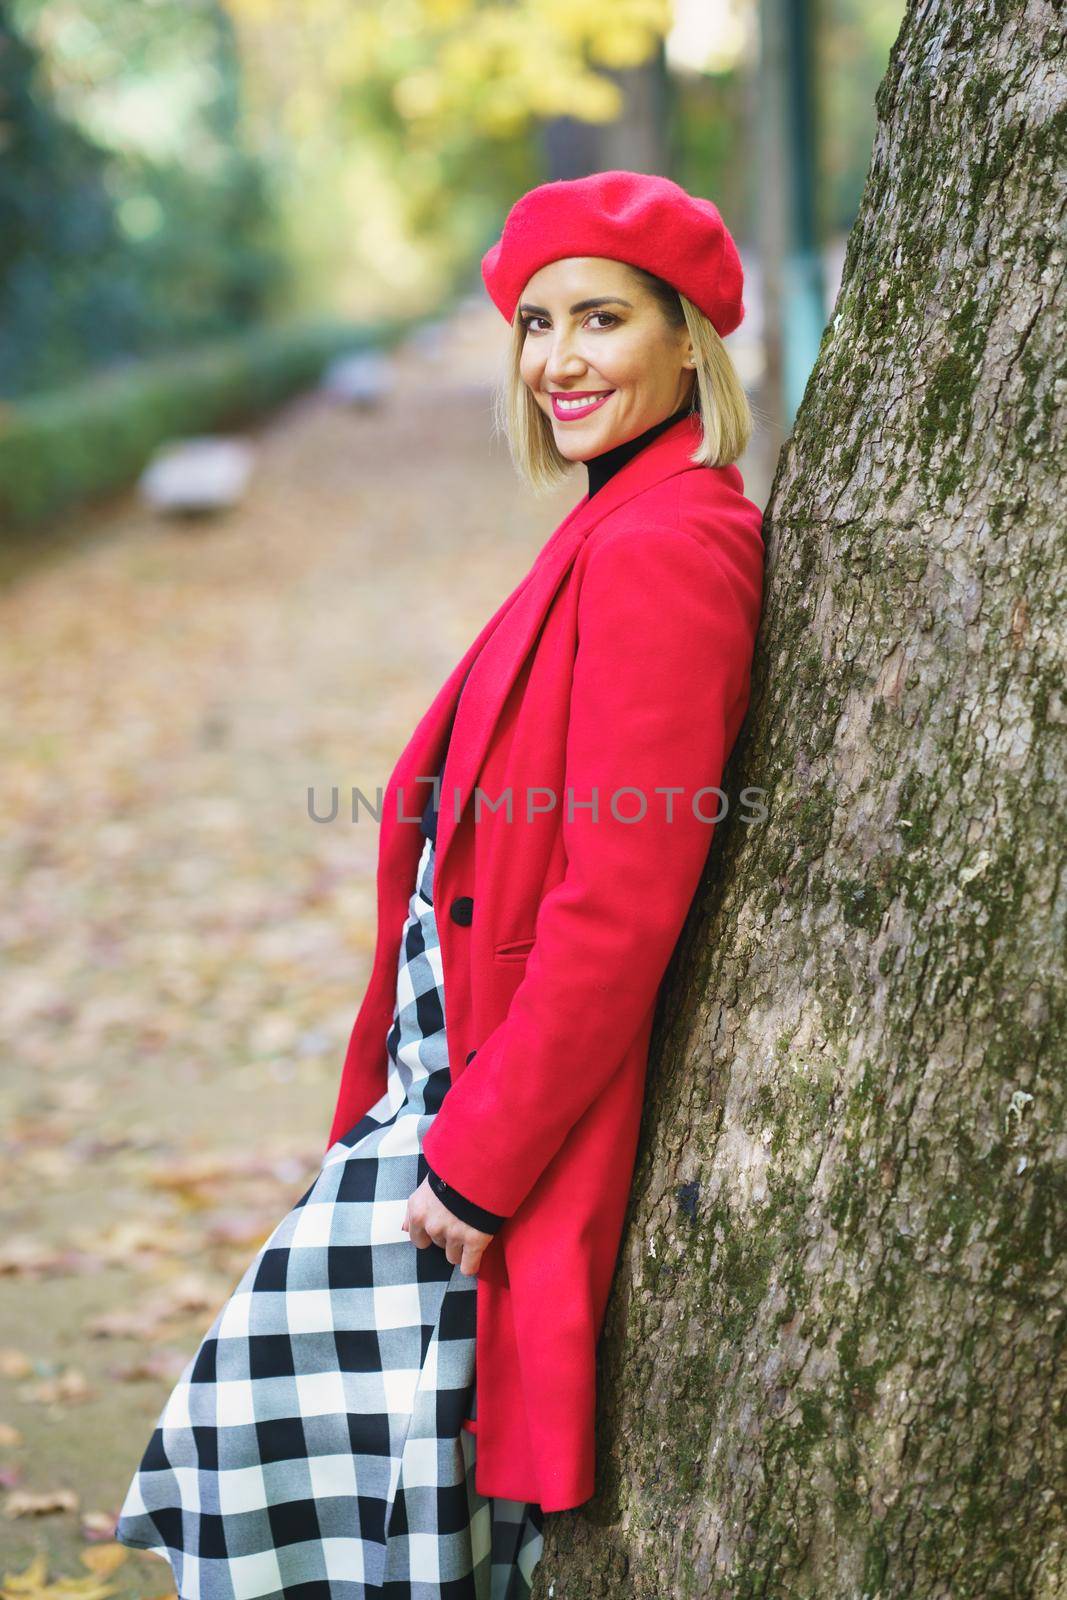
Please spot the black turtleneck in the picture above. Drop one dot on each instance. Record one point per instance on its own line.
(605, 465)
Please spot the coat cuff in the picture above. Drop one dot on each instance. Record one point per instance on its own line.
(460, 1206)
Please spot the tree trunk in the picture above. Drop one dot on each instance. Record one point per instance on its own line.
(832, 1364)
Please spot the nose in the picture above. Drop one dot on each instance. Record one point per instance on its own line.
(563, 360)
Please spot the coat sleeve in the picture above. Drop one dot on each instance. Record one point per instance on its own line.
(663, 654)
(461, 1207)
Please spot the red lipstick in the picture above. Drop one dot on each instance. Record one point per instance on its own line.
(571, 413)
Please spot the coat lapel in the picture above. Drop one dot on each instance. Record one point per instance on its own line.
(496, 656)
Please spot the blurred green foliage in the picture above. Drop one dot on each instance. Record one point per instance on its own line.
(132, 218)
(64, 447)
(405, 128)
(855, 39)
(408, 127)
(174, 171)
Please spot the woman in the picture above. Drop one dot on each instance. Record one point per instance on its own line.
(329, 1437)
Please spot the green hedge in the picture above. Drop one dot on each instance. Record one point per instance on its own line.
(60, 450)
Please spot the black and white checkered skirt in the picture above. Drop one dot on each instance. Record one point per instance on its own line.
(313, 1447)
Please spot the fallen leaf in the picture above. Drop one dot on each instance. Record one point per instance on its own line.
(99, 1524)
(23, 1254)
(104, 1558)
(30, 1585)
(69, 1388)
(158, 1364)
(24, 1503)
(28, 1581)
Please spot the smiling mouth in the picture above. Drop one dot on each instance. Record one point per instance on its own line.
(567, 407)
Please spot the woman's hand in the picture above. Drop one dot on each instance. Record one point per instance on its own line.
(429, 1222)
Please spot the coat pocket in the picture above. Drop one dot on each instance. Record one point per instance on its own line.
(513, 950)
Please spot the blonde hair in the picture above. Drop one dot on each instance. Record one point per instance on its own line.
(720, 397)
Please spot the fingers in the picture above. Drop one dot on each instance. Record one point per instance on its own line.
(463, 1252)
(471, 1259)
(466, 1255)
(419, 1235)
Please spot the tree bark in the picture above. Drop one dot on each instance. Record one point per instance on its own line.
(832, 1364)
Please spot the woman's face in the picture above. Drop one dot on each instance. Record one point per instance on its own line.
(594, 330)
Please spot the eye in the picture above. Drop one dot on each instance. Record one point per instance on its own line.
(530, 318)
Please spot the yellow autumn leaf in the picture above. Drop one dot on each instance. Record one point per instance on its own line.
(28, 1581)
(104, 1558)
(447, 13)
(91, 1588)
(29, 1585)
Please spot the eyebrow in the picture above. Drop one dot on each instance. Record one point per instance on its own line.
(580, 305)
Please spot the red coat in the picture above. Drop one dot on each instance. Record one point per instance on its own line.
(620, 662)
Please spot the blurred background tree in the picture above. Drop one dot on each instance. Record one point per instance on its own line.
(405, 130)
(133, 216)
(173, 170)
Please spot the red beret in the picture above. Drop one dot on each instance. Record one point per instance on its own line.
(642, 219)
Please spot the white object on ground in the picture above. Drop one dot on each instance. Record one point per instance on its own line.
(359, 379)
(197, 474)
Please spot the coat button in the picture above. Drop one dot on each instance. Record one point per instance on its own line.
(470, 1056)
(462, 910)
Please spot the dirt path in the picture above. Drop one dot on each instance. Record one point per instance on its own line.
(185, 949)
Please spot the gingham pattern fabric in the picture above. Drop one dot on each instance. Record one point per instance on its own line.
(313, 1447)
